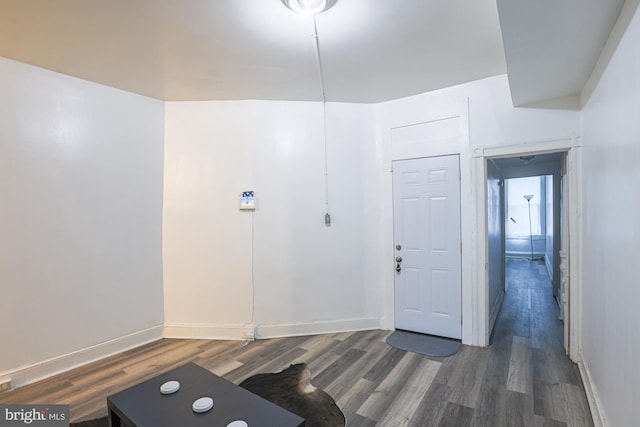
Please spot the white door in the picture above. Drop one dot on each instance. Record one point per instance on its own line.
(428, 279)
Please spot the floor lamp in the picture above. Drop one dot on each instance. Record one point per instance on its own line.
(529, 197)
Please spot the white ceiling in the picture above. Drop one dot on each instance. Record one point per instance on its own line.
(371, 51)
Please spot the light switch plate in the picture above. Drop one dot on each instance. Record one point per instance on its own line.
(247, 201)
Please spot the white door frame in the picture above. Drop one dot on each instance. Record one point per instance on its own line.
(456, 141)
(479, 198)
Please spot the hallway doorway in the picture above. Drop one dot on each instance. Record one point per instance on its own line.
(524, 200)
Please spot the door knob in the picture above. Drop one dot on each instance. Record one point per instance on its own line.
(398, 260)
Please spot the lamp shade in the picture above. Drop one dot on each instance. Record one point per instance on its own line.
(308, 7)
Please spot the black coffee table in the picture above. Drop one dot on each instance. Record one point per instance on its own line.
(144, 406)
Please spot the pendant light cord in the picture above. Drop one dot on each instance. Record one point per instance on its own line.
(324, 113)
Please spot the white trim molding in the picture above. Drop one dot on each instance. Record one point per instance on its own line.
(314, 328)
(208, 331)
(250, 332)
(47, 368)
(573, 286)
(595, 404)
(552, 145)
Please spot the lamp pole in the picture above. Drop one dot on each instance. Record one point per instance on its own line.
(529, 197)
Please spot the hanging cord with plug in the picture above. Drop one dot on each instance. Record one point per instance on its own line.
(327, 215)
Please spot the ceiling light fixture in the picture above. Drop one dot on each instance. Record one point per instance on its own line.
(526, 159)
(308, 7)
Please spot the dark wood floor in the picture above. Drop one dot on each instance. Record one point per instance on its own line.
(522, 379)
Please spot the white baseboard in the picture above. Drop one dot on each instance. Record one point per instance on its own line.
(46, 368)
(313, 328)
(207, 331)
(242, 332)
(495, 310)
(595, 404)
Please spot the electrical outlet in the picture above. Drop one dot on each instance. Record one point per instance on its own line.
(5, 385)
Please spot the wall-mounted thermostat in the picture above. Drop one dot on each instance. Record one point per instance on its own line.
(247, 201)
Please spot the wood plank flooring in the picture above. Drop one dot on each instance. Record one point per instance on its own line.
(522, 379)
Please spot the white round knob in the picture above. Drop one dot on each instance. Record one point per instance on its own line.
(238, 423)
(202, 405)
(170, 387)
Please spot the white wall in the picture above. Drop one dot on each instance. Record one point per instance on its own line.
(206, 241)
(303, 277)
(611, 327)
(305, 272)
(487, 119)
(80, 223)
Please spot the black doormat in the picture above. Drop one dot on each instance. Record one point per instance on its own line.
(424, 344)
(290, 389)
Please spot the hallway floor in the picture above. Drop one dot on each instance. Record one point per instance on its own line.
(527, 341)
